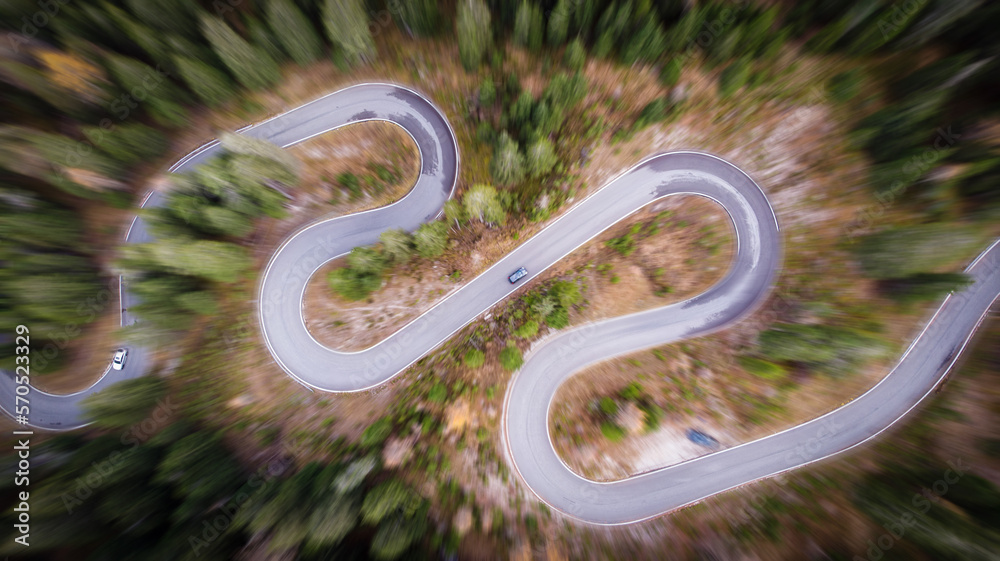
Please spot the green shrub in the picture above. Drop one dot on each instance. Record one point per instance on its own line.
(670, 74)
(376, 433)
(527, 329)
(654, 111)
(624, 245)
(487, 92)
(510, 358)
(652, 414)
(909, 250)
(353, 284)
(608, 406)
(268, 435)
(762, 368)
(576, 55)
(923, 287)
(632, 392)
(438, 393)
(734, 77)
(474, 358)
(844, 86)
(612, 432)
(349, 181)
(558, 319)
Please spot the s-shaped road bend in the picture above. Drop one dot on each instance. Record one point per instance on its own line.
(556, 358)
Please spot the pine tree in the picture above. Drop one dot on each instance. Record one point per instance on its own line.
(559, 23)
(397, 244)
(175, 16)
(507, 165)
(541, 157)
(148, 39)
(454, 211)
(528, 25)
(575, 56)
(294, 31)
(420, 17)
(475, 34)
(431, 239)
(129, 143)
(251, 66)
(481, 202)
(263, 39)
(125, 403)
(347, 27)
(145, 87)
(210, 85)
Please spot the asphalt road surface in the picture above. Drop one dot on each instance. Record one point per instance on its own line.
(553, 360)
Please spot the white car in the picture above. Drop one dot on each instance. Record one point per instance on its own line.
(119, 361)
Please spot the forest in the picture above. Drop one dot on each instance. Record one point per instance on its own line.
(97, 97)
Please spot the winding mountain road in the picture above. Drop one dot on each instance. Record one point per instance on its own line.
(553, 360)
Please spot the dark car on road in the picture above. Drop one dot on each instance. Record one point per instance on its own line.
(518, 275)
(701, 438)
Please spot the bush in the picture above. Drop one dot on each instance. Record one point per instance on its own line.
(670, 74)
(510, 358)
(487, 93)
(527, 329)
(431, 239)
(762, 368)
(624, 245)
(558, 319)
(575, 56)
(352, 284)
(608, 406)
(438, 393)
(923, 287)
(653, 415)
(656, 110)
(844, 86)
(734, 77)
(376, 433)
(833, 349)
(905, 251)
(474, 358)
(632, 392)
(612, 432)
(349, 181)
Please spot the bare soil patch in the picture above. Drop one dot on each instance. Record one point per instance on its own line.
(352, 326)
